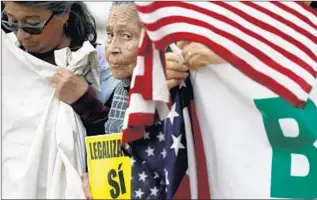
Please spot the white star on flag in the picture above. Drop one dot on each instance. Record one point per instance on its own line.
(147, 135)
(163, 153)
(172, 114)
(149, 151)
(156, 175)
(161, 137)
(132, 161)
(177, 143)
(139, 193)
(154, 191)
(142, 176)
(167, 182)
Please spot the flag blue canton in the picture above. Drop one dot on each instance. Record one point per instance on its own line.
(159, 160)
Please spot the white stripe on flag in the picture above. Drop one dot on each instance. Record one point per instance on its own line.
(290, 17)
(160, 90)
(266, 49)
(238, 51)
(138, 70)
(140, 105)
(301, 10)
(276, 39)
(275, 23)
(191, 159)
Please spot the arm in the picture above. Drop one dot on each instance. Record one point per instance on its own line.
(93, 107)
(92, 112)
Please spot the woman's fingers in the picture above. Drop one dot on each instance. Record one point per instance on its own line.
(172, 74)
(173, 83)
(182, 44)
(176, 66)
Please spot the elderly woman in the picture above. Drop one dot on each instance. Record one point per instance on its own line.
(123, 34)
(41, 28)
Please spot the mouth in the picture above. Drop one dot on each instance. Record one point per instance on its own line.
(29, 45)
(117, 65)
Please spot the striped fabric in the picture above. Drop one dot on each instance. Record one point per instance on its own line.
(273, 43)
(118, 108)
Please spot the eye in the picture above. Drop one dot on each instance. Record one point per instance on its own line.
(12, 20)
(33, 23)
(109, 35)
(127, 37)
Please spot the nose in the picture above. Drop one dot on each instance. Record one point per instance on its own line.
(114, 47)
(22, 35)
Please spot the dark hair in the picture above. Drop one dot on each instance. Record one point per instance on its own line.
(81, 25)
(3, 27)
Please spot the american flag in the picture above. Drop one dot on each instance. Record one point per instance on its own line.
(160, 160)
(273, 43)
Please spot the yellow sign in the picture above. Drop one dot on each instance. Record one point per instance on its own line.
(109, 169)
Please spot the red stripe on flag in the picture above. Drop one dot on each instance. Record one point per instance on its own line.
(136, 132)
(295, 13)
(238, 63)
(162, 4)
(145, 43)
(271, 29)
(200, 154)
(139, 87)
(306, 7)
(270, 62)
(281, 19)
(183, 191)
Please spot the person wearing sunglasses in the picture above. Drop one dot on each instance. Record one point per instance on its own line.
(41, 27)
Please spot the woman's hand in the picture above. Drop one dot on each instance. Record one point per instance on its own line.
(86, 187)
(197, 55)
(307, 2)
(69, 87)
(176, 72)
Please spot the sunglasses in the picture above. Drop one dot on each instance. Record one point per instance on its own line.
(37, 29)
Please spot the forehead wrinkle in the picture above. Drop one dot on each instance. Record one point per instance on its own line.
(123, 13)
(118, 26)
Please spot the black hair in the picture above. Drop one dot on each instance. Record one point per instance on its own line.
(81, 25)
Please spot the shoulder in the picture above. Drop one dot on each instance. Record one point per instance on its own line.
(103, 65)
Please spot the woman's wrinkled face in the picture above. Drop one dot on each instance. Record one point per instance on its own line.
(123, 34)
(50, 37)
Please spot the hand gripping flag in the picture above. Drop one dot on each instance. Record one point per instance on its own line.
(273, 43)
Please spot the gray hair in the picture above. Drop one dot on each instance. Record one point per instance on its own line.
(118, 3)
(129, 3)
(81, 25)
